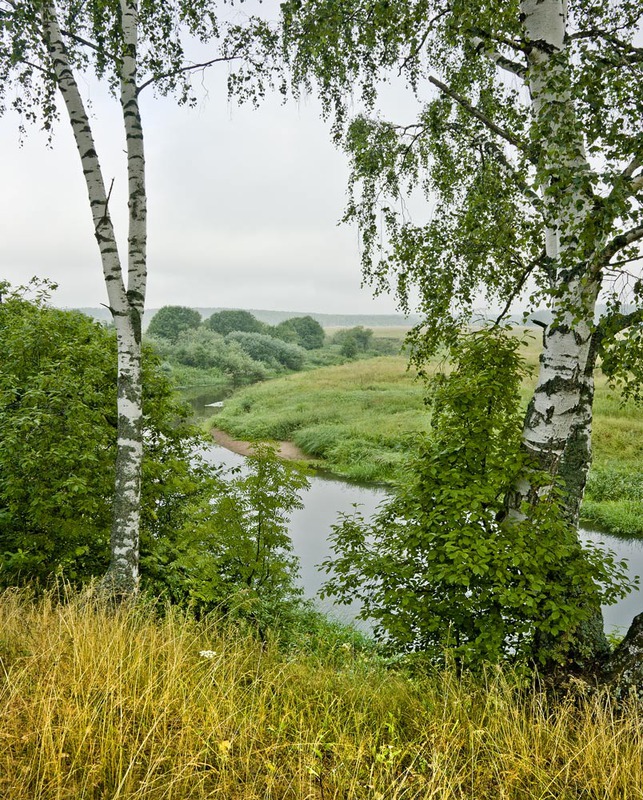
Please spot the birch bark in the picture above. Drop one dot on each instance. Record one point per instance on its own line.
(126, 302)
(557, 430)
(558, 423)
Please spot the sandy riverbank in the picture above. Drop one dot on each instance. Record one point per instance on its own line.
(286, 450)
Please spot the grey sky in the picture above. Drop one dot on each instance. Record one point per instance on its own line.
(243, 207)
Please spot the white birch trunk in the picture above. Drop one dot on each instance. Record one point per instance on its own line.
(126, 304)
(557, 429)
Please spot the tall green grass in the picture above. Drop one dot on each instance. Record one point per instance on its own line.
(119, 704)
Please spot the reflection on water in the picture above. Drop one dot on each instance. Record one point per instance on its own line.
(620, 615)
(328, 498)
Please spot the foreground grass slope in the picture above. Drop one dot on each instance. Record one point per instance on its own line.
(99, 704)
(359, 419)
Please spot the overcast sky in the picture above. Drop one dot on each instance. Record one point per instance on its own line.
(243, 207)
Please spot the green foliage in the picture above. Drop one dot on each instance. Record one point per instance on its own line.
(492, 162)
(170, 321)
(94, 42)
(58, 429)
(271, 352)
(622, 352)
(353, 340)
(206, 537)
(204, 350)
(229, 320)
(304, 331)
(442, 568)
(234, 553)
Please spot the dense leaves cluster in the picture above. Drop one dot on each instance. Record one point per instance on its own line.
(234, 552)
(273, 352)
(170, 321)
(442, 567)
(205, 535)
(58, 429)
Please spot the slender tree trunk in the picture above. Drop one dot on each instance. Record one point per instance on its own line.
(558, 423)
(557, 431)
(126, 304)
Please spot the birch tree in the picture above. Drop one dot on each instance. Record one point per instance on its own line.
(527, 148)
(45, 48)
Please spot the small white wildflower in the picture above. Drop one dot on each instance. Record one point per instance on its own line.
(207, 653)
(347, 646)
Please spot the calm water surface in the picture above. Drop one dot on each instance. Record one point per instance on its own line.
(327, 498)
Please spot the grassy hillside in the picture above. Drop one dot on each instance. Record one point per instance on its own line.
(358, 419)
(355, 418)
(114, 703)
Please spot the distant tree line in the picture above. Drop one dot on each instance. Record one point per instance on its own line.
(170, 321)
(243, 350)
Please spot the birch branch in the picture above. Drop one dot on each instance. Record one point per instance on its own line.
(187, 68)
(619, 242)
(482, 46)
(79, 120)
(631, 168)
(530, 193)
(479, 115)
(541, 260)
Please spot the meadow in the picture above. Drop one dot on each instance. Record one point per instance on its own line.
(142, 703)
(359, 420)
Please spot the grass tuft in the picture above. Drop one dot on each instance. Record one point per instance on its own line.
(97, 702)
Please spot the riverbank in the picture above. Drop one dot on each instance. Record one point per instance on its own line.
(359, 421)
(286, 450)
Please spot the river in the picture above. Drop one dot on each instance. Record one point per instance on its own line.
(327, 498)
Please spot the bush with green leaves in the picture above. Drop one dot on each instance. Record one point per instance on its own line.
(442, 568)
(170, 321)
(272, 352)
(353, 340)
(234, 319)
(204, 349)
(207, 538)
(234, 553)
(58, 434)
(304, 331)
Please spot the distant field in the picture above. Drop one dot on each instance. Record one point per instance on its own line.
(379, 332)
(360, 419)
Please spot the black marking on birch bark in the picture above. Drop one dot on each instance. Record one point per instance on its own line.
(558, 384)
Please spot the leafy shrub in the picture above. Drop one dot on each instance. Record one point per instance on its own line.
(58, 433)
(203, 349)
(229, 320)
(441, 568)
(304, 331)
(170, 321)
(234, 552)
(272, 352)
(353, 340)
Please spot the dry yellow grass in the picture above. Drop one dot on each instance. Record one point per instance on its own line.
(117, 704)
